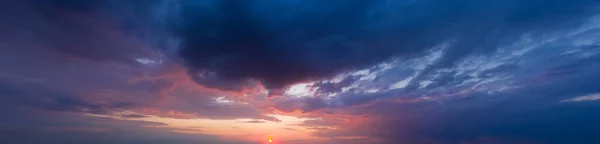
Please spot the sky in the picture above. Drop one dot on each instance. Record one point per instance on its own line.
(299, 71)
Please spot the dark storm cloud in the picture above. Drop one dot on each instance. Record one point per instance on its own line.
(281, 42)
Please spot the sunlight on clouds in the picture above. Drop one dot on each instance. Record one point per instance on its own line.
(402, 83)
(301, 90)
(223, 101)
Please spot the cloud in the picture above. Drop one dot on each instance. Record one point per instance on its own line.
(45, 99)
(335, 87)
(73, 30)
(255, 40)
(317, 123)
(524, 115)
(254, 121)
(29, 126)
(76, 129)
(61, 56)
(428, 71)
(126, 115)
(479, 108)
(590, 97)
(306, 104)
(290, 129)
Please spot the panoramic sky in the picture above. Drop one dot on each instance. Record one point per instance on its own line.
(300, 71)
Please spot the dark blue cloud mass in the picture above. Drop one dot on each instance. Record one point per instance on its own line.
(283, 42)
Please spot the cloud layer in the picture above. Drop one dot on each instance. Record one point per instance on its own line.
(284, 42)
(380, 71)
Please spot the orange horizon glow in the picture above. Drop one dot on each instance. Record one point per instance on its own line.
(234, 129)
(289, 128)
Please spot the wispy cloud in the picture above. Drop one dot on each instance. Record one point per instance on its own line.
(590, 97)
(255, 121)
